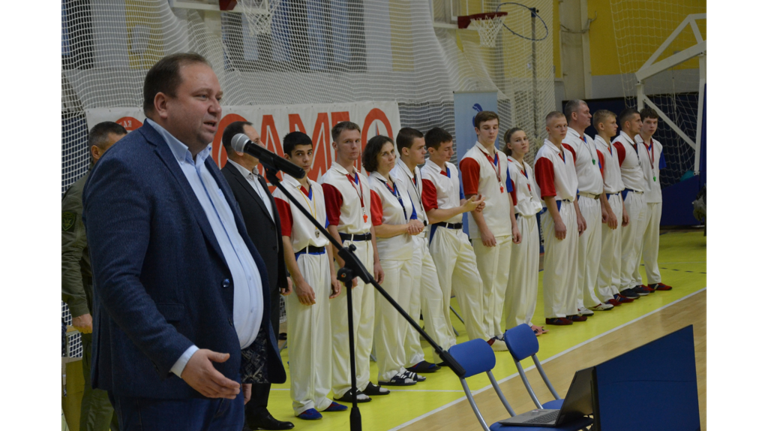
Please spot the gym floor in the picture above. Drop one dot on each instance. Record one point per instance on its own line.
(439, 402)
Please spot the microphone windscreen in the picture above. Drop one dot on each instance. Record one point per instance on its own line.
(239, 141)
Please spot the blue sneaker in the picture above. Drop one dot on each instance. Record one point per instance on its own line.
(310, 415)
(335, 407)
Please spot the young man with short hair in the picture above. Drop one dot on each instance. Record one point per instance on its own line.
(651, 161)
(309, 259)
(454, 258)
(492, 231)
(523, 284)
(609, 276)
(589, 167)
(426, 296)
(634, 201)
(557, 185)
(348, 208)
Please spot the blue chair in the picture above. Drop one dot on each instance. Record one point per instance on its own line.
(522, 343)
(476, 356)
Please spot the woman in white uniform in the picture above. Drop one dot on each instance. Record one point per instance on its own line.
(395, 221)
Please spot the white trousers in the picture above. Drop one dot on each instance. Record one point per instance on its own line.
(390, 326)
(493, 264)
(427, 301)
(560, 264)
(590, 243)
(632, 238)
(523, 284)
(309, 335)
(651, 245)
(609, 279)
(457, 271)
(363, 312)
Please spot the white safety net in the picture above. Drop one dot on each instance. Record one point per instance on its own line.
(329, 51)
(641, 27)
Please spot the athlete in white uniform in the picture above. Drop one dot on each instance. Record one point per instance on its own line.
(652, 161)
(556, 186)
(523, 284)
(589, 166)
(426, 295)
(309, 260)
(453, 255)
(634, 201)
(348, 208)
(395, 221)
(609, 278)
(484, 173)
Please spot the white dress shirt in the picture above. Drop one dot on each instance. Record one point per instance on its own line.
(251, 177)
(248, 302)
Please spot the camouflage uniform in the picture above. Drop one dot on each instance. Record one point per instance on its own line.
(77, 291)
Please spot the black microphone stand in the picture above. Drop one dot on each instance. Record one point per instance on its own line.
(354, 268)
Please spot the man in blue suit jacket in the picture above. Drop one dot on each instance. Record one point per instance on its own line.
(180, 292)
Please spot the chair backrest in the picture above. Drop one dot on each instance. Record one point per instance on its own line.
(521, 342)
(476, 356)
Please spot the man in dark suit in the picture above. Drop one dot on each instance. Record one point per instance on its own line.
(263, 224)
(180, 322)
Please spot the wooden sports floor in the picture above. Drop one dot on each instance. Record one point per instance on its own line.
(440, 404)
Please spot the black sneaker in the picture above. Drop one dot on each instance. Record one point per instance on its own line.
(629, 293)
(640, 291)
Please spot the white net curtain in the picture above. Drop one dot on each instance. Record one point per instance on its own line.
(317, 51)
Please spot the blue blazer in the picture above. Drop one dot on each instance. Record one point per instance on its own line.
(160, 280)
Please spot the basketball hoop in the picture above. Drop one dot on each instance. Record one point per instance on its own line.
(486, 24)
(259, 14)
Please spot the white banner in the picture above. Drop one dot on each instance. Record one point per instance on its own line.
(274, 122)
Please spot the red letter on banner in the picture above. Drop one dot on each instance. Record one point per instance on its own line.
(295, 124)
(321, 138)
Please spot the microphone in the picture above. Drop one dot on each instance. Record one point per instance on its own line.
(242, 144)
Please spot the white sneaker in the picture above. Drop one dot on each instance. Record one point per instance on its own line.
(602, 307)
(584, 311)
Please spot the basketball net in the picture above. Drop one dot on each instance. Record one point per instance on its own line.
(488, 28)
(259, 14)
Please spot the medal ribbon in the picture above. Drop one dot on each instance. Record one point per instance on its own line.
(600, 165)
(396, 194)
(651, 155)
(495, 164)
(355, 184)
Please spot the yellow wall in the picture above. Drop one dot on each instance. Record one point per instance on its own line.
(651, 23)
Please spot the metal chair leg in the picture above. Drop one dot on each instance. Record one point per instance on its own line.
(457, 314)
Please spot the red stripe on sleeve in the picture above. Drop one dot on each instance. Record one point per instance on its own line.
(286, 216)
(570, 148)
(333, 203)
(545, 177)
(620, 151)
(513, 192)
(428, 195)
(602, 163)
(470, 175)
(377, 212)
